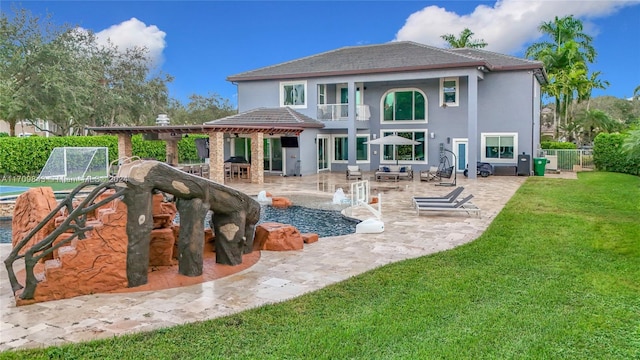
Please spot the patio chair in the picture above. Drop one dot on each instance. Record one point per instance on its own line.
(448, 198)
(353, 172)
(464, 205)
(431, 174)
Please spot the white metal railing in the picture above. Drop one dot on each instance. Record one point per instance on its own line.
(569, 159)
(360, 197)
(334, 112)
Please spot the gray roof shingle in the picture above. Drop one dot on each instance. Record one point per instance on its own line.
(390, 57)
(268, 117)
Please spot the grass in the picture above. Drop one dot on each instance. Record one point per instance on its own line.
(556, 275)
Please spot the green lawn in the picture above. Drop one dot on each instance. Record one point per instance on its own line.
(556, 276)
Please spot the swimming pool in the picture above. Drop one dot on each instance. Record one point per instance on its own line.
(307, 220)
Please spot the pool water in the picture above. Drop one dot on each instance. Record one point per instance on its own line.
(307, 220)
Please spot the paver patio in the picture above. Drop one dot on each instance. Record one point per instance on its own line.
(276, 277)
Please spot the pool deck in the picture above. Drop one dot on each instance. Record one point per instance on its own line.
(277, 276)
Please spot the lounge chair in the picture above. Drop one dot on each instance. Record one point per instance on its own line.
(431, 174)
(448, 198)
(464, 205)
(353, 172)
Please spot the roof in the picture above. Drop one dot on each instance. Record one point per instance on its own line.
(398, 56)
(269, 117)
(264, 120)
(196, 129)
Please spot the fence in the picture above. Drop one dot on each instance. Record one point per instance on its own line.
(569, 159)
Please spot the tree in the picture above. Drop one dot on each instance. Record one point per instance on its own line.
(200, 109)
(566, 57)
(636, 93)
(61, 74)
(464, 41)
(593, 122)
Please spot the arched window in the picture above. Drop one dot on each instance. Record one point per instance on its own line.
(404, 105)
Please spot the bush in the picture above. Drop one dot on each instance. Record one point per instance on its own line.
(28, 155)
(608, 155)
(557, 145)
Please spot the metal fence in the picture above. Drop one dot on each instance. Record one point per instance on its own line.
(569, 159)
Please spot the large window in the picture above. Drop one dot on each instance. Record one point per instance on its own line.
(404, 105)
(449, 91)
(499, 147)
(341, 148)
(415, 152)
(293, 94)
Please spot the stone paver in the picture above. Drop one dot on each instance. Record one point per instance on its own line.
(276, 277)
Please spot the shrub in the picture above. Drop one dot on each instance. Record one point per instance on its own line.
(28, 155)
(557, 145)
(608, 155)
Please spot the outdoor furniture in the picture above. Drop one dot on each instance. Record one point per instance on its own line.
(463, 205)
(395, 172)
(353, 172)
(448, 198)
(431, 174)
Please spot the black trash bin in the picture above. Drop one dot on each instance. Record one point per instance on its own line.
(524, 164)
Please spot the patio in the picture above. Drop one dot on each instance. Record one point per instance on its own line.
(277, 276)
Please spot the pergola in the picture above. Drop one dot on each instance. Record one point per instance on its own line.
(171, 134)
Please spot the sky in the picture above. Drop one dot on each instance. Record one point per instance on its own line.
(201, 43)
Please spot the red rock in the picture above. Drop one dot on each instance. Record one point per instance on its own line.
(280, 202)
(31, 208)
(161, 247)
(277, 237)
(309, 238)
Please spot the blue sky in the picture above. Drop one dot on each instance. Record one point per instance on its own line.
(200, 43)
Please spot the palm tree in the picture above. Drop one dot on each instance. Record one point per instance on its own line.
(636, 93)
(562, 31)
(565, 57)
(594, 122)
(464, 41)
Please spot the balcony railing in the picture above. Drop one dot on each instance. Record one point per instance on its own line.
(335, 112)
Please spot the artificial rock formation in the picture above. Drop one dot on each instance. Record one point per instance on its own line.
(277, 237)
(31, 208)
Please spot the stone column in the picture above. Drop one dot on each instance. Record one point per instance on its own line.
(172, 152)
(216, 157)
(124, 146)
(257, 158)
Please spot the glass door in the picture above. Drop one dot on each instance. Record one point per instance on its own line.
(322, 146)
(272, 155)
(461, 152)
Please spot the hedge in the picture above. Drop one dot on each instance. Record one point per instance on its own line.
(28, 155)
(557, 145)
(608, 155)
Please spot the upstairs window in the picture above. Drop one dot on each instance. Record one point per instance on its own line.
(449, 91)
(404, 105)
(293, 94)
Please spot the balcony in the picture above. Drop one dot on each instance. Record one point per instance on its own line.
(337, 112)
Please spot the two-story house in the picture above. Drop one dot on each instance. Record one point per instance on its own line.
(481, 105)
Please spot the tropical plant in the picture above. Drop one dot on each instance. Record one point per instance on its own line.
(566, 56)
(464, 40)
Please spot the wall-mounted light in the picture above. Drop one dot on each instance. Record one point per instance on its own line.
(374, 136)
(444, 106)
(236, 134)
(432, 135)
(448, 140)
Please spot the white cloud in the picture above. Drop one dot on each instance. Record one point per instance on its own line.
(134, 32)
(507, 26)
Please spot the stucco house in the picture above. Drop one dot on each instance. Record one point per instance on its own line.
(481, 105)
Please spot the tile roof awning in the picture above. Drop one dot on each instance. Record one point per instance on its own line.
(196, 129)
(264, 120)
